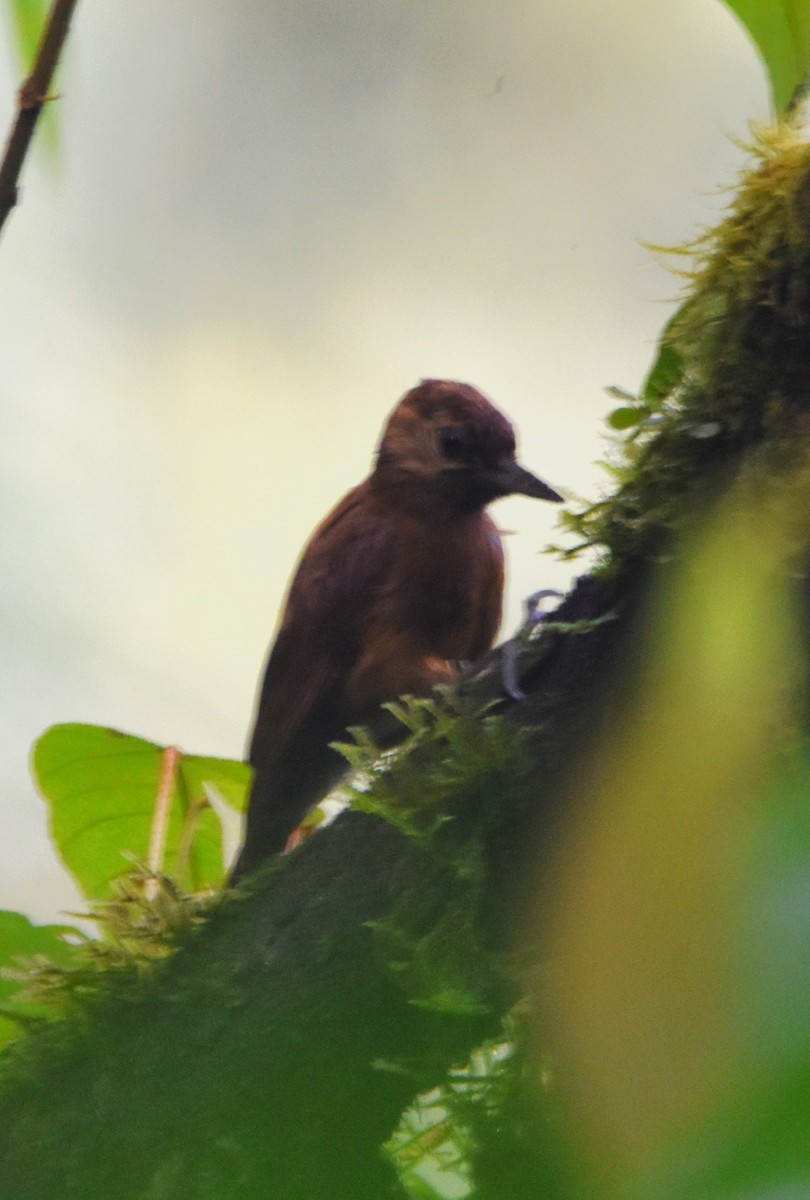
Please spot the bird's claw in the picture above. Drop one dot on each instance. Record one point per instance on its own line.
(510, 651)
(534, 610)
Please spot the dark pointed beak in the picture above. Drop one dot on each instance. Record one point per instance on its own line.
(512, 479)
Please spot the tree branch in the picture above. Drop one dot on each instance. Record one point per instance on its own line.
(31, 97)
(275, 1053)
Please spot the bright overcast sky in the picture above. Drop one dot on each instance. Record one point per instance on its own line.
(267, 221)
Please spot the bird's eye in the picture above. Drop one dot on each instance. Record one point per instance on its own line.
(452, 442)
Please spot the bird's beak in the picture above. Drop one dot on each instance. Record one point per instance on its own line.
(513, 479)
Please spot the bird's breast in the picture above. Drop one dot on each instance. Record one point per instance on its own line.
(449, 584)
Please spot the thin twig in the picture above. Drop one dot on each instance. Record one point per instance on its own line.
(30, 99)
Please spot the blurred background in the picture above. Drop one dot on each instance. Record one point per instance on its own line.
(263, 223)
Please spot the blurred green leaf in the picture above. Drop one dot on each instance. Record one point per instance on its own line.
(28, 19)
(667, 369)
(666, 373)
(626, 417)
(682, 935)
(758, 1145)
(101, 786)
(781, 32)
(661, 381)
(20, 940)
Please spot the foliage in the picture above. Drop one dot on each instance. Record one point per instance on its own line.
(435, 1141)
(736, 367)
(32, 947)
(101, 787)
(660, 889)
(53, 971)
(684, 893)
(448, 784)
(421, 799)
(781, 31)
(487, 1128)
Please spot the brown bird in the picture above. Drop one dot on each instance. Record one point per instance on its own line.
(401, 580)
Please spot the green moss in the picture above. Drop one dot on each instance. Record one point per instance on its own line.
(421, 791)
(146, 920)
(733, 370)
(458, 772)
(490, 1126)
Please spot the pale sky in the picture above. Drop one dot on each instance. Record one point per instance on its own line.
(267, 221)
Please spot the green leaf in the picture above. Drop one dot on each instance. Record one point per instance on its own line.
(20, 940)
(667, 370)
(626, 417)
(781, 31)
(757, 1142)
(666, 373)
(101, 787)
(28, 20)
(687, 914)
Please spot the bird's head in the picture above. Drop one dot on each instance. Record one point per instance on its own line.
(445, 440)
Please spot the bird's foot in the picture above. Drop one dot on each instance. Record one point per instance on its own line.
(510, 651)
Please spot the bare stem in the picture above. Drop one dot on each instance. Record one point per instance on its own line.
(160, 816)
(30, 99)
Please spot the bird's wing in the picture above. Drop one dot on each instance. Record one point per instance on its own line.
(302, 705)
(330, 600)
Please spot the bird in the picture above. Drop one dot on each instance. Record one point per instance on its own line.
(400, 582)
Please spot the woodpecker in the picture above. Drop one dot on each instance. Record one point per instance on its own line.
(402, 580)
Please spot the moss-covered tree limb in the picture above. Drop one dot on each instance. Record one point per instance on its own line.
(274, 1054)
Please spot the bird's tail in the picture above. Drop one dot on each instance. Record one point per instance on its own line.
(284, 789)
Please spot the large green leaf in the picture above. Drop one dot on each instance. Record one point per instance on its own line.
(781, 31)
(101, 787)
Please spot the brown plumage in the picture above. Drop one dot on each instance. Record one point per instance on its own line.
(401, 580)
